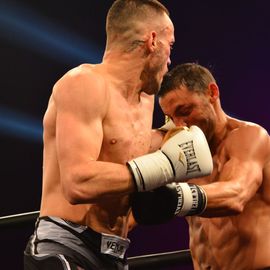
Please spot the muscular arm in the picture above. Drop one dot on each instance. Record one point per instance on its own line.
(81, 102)
(241, 175)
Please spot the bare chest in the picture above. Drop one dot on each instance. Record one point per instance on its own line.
(126, 132)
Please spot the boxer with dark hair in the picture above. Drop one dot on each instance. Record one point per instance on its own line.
(233, 231)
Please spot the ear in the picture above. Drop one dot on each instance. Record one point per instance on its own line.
(152, 41)
(213, 92)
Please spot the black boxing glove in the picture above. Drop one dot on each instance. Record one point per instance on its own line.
(162, 204)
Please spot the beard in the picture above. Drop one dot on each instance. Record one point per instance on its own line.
(151, 84)
(152, 74)
(209, 129)
(208, 126)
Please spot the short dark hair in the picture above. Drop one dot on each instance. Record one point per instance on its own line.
(123, 13)
(192, 75)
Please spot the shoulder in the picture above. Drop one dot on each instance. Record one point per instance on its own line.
(82, 78)
(82, 85)
(249, 130)
(82, 92)
(248, 137)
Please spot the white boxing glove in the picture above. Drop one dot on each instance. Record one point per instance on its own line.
(169, 125)
(183, 156)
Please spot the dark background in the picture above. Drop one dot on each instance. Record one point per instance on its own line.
(41, 40)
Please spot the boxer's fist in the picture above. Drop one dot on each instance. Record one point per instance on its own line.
(188, 152)
(184, 155)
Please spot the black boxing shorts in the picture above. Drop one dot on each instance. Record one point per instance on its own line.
(59, 244)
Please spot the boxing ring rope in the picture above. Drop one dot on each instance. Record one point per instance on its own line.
(150, 261)
(18, 219)
(160, 260)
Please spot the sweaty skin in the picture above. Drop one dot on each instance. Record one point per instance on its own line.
(98, 118)
(240, 240)
(234, 232)
(93, 122)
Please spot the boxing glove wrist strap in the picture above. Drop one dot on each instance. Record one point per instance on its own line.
(192, 199)
(151, 171)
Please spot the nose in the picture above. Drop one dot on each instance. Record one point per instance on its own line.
(169, 61)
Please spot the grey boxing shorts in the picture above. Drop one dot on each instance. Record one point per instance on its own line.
(60, 244)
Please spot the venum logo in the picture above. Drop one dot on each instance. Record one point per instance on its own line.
(188, 150)
(115, 247)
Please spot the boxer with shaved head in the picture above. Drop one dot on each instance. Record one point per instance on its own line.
(99, 146)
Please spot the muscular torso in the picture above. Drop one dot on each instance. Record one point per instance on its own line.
(126, 134)
(239, 241)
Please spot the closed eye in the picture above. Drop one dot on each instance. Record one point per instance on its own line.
(183, 111)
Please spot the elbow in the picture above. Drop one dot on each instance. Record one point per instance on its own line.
(73, 189)
(72, 196)
(236, 208)
(238, 201)
(71, 192)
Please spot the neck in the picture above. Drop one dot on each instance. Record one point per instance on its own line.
(221, 129)
(125, 71)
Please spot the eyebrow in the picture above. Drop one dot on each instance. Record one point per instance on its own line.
(182, 107)
(178, 107)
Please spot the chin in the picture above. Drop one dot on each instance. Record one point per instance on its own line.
(155, 86)
(208, 132)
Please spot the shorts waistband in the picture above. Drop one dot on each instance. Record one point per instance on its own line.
(104, 243)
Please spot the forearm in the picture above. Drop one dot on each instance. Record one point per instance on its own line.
(223, 199)
(92, 182)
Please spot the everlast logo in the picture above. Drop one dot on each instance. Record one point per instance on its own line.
(192, 164)
(195, 197)
(193, 208)
(115, 247)
(180, 199)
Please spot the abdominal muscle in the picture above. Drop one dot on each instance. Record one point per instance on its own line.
(235, 242)
(103, 218)
(213, 243)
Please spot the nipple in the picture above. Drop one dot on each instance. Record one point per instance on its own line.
(113, 141)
